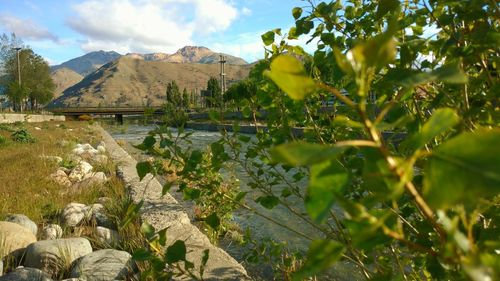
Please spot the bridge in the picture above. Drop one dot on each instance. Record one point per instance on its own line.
(118, 112)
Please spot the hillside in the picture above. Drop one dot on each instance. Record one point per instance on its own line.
(88, 63)
(133, 82)
(189, 54)
(64, 78)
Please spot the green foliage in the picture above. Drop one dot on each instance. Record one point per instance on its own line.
(399, 110)
(36, 83)
(215, 98)
(23, 136)
(3, 140)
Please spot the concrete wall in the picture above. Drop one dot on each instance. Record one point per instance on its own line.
(30, 118)
(165, 212)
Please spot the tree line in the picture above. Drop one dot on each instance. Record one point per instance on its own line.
(24, 75)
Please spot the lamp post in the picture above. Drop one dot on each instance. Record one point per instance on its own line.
(19, 73)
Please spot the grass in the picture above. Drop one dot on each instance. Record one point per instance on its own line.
(24, 183)
(26, 188)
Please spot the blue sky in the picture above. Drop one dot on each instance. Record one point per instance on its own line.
(61, 30)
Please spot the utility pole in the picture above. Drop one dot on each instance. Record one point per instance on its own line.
(222, 62)
(19, 73)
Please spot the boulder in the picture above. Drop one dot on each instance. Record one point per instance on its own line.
(107, 236)
(101, 148)
(104, 265)
(60, 177)
(26, 274)
(98, 213)
(51, 232)
(14, 238)
(51, 255)
(81, 171)
(101, 159)
(94, 179)
(74, 213)
(24, 221)
(85, 151)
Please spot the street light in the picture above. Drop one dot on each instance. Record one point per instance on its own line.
(19, 72)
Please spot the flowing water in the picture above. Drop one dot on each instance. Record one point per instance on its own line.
(260, 228)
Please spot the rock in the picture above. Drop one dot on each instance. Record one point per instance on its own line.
(94, 179)
(14, 238)
(103, 200)
(65, 170)
(107, 236)
(55, 159)
(37, 128)
(24, 221)
(104, 265)
(74, 213)
(51, 232)
(85, 151)
(100, 159)
(51, 255)
(1, 267)
(98, 213)
(26, 274)
(101, 149)
(81, 171)
(61, 177)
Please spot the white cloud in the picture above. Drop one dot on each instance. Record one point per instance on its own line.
(246, 11)
(25, 28)
(148, 25)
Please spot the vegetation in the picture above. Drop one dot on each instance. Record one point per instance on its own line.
(36, 195)
(34, 87)
(213, 88)
(176, 105)
(407, 151)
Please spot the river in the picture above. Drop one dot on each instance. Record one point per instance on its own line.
(260, 228)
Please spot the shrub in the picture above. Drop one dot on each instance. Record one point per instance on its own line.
(23, 136)
(3, 140)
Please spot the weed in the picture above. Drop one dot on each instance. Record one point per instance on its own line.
(23, 136)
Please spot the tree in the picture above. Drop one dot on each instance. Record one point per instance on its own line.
(213, 86)
(173, 93)
(36, 86)
(185, 99)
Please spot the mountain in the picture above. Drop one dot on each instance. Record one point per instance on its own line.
(189, 54)
(88, 63)
(64, 78)
(134, 82)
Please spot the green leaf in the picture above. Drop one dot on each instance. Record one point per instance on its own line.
(302, 154)
(143, 168)
(450, 73)
(147, 143)
(166, 187)
(322, 255)
(142, 255)
(213, 221)
(176, 252)
(386, 6)
(289, 74)
(327, 179)
(148, 230)
(464, 170)
(342, 61)
(204, 260)
(441, 121)
(162, 236)
(268, 38)
(296, 12)
(268, 202)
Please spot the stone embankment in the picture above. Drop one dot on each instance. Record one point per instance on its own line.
(30, 118)
(165, 212)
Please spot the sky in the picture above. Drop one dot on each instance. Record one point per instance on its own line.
(61, 30)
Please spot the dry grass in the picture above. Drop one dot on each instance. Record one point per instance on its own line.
(24, 184)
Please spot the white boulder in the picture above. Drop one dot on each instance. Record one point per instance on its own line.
(81, 171)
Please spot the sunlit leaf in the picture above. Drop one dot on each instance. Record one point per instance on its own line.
(441, 121)
(297, 12)
(464, 169)
(289, 74)
(268, 38)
